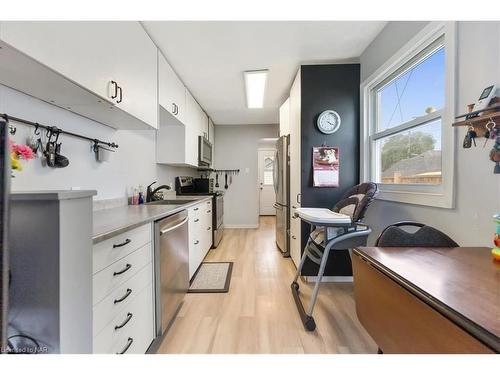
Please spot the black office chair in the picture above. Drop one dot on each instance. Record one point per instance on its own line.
(425, 236)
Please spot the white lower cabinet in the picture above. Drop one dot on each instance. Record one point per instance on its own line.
(131, 330)
(123, 293)
(200, 234)
(119, 299)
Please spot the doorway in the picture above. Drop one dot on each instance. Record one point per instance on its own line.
(267, 195)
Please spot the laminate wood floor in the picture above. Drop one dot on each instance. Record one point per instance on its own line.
(258, 314)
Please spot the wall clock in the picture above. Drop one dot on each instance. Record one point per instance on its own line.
(328, 122)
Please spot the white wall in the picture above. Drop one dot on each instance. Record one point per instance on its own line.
(133, 164)
(236, 148)
(477, 189)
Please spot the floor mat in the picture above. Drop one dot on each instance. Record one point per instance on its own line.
(212, 277)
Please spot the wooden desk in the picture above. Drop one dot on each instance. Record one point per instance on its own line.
(429, 300)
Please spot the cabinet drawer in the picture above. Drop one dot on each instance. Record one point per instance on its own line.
(194, 212)
(137, 331)
(120, 298)
(208, 204)
(106, 281)
(113, 249)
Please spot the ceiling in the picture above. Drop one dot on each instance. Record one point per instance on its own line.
(210, 57)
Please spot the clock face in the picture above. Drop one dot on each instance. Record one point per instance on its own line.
(329, 122)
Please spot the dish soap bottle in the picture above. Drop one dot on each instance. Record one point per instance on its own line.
(141, 195)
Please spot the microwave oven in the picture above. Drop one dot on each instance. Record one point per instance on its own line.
(204, 152)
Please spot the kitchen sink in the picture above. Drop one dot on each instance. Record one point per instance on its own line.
(176, 202)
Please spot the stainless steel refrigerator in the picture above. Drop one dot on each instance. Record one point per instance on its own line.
(282, 189)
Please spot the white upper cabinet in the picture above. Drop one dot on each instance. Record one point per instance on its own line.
(203, 123)
(211, 131)
(177, 141)
(285, 118)
(137, 71)
(211, 138)
(172, 95)
(193, 129)
(117, 61)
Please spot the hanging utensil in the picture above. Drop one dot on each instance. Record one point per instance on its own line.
(226, 185)
(50, 148)
(60, 161)
(216, 179)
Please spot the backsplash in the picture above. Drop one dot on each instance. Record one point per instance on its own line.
(133, 165)
(103, 204)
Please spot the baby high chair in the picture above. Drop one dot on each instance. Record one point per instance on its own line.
(336, 229)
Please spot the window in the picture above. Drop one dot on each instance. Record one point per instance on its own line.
(408, 108)
(268, 171)
(407, 115)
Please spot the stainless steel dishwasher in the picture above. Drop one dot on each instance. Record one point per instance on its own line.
(171, 267)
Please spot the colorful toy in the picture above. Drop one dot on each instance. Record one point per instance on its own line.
(496, 250)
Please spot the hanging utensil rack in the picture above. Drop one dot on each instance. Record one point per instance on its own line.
(52, 129)
(229, 171)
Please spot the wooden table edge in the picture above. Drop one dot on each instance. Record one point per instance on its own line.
(486, 337)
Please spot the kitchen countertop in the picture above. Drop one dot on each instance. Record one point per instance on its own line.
(113, 221)
(50, 195)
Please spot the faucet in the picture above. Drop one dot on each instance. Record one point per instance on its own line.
(150, 193)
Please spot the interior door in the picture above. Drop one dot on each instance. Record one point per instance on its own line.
(266, 182)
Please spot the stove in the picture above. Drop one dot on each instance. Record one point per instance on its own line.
(186, 185)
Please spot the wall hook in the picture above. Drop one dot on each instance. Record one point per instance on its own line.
(12, 128)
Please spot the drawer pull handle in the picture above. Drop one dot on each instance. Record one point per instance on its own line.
(196, 242)
(196, 220)
(127, 267)
(126, 242)
(196, 209)
(115, 91)
(208, 211)
(170, 229)
(129, 342)
(129, 291)
(120, 90)
(129, 316)
(209, 228)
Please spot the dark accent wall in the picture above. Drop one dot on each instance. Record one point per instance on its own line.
(325, 87)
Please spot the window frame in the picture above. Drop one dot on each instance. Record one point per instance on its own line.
(412, 53)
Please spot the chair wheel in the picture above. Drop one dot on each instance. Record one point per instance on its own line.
(295, 285)
(310, 324)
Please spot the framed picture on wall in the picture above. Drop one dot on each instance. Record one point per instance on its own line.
(326, 163)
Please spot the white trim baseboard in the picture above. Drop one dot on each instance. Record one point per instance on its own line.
(241, 226)
(329, 279)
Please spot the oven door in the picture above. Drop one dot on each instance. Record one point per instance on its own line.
(204, 152)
